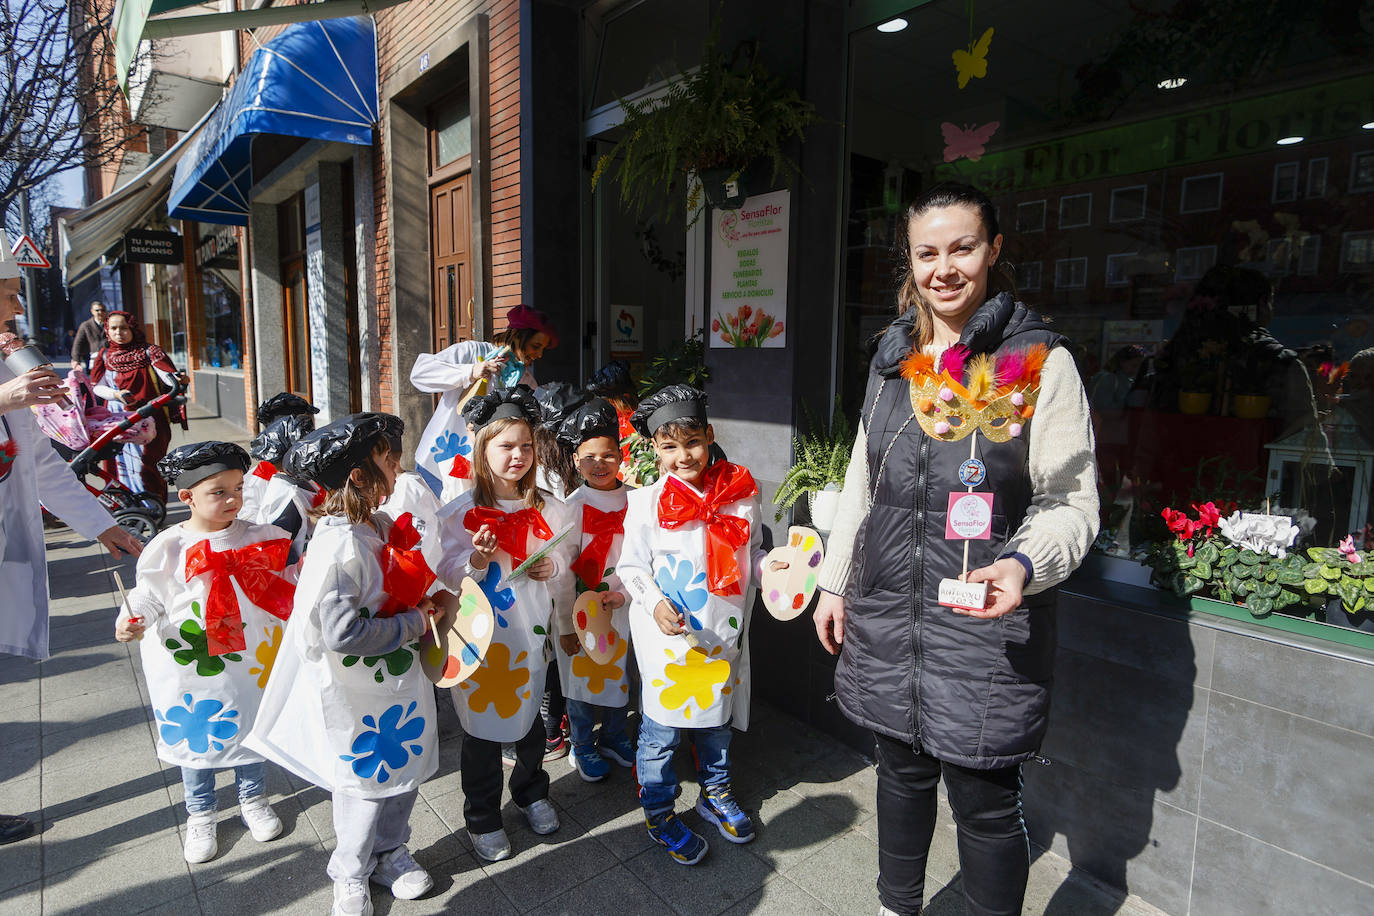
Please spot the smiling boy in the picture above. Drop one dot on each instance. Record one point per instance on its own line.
(691, 556)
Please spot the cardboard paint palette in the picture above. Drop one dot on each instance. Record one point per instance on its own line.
(450, 656)
(787, 592)
(595, 628)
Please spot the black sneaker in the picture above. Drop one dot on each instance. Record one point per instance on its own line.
(14, 828)
(555, 748)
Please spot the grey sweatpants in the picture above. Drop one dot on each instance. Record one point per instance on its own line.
(367, 828)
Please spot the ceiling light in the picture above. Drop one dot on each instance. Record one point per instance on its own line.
(1289, 141)
(893, 25)
(1172, 82)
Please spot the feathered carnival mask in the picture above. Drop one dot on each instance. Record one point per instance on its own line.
(516, 403)
(956, 395)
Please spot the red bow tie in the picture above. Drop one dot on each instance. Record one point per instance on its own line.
(318, 498)
(255, 567)
(512, 529)
(462, 468)
(265, 470)
(679, 504)
(406, 577)
(590, 566)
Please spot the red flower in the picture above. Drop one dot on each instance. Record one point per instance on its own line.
(715, 325)
(745, 311)
(1209, 516)
(1179, 523)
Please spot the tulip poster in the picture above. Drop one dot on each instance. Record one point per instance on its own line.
(749, 273)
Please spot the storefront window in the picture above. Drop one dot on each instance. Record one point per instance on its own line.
(172, 311)
(217, 256)
(1187, 191)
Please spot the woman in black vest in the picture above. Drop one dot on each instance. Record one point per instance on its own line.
(969, 392)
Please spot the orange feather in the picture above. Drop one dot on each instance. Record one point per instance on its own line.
(1035, 361)
(917, 366)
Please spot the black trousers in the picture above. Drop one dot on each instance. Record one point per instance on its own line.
(553, 705)
(481, 772)
(994, 852)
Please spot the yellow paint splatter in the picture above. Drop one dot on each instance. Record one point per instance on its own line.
(266, 653)
(695, 679)
(598, 675)
(497, 684)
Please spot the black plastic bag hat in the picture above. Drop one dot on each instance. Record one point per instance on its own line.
(284, 405)
(675, 403)
(330, 453)
(187, 465)
(280, 435)
(612, 380)
(557, 401)
(592, 420)
(516, 403)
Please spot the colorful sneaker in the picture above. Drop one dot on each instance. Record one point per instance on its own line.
(351, 898)
(589, 764)
(262, 822)
(717, 805)
(201, 844)
(618, 750)
(491, 847)
(402, 875)
(668, 830)
(556, 747)
(543, 819)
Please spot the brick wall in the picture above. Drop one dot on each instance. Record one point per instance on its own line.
(403, 33)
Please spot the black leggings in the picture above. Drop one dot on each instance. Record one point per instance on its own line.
(994, 854)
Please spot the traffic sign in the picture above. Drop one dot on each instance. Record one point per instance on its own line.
(26, 254)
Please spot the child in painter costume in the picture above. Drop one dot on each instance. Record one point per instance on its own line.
(486, 534)
(691, 557)
(292, 502)
(282, 419)
(594, 667)
(444, 456)
(212, 597)
(351, 709)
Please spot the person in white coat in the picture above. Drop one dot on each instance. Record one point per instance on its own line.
(31, 471)
(444, 455)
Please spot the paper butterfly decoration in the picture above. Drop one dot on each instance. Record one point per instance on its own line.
(463, 644)
(995, 396)
(968, 140)
(788, 592)
(595, 630)
(974, 61)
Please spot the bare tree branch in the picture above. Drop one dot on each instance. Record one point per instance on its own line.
(60, 104)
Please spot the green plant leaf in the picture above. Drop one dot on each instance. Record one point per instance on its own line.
(1290, 576)
(1202, 569)
(1260, 607)
(1209, 554)
(1331, 573)
(1250, 558)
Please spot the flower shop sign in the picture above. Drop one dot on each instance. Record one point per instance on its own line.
(749, 272)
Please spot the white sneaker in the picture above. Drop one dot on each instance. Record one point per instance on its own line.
(201, 845)
(493, 846)
(351, 898)
(398, 871)
(262, 822)
(543, 819)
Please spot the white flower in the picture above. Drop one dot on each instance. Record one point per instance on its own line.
(1271, 534)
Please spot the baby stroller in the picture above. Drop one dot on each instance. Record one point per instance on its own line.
(87, 435)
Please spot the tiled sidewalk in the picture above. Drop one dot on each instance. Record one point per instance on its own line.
(78, 757)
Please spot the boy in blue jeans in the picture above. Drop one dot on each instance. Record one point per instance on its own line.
(692, 554)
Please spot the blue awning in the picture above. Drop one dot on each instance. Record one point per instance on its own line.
(316, 80)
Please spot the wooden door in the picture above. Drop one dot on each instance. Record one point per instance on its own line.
(296, 321)
(451, 247)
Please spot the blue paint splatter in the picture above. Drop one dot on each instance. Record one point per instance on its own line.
(383, 746)
(203, 724)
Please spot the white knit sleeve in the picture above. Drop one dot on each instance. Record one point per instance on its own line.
(1062, 520)
(839, 547)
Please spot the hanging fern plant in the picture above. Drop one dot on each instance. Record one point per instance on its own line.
(727, 114)
(822, 458)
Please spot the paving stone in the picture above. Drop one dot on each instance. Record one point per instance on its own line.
(69, 842)
(728, 874)
(126, 882)
(615, 889)
(272, 880)
(778, 897)
(21, 901)
(542, 867)
(23, 865)
(22, 758)
(18, 696)
(240, 854)
(432, 841)
(460, 886)
(618, 822)
(789, 827)
(843, 875)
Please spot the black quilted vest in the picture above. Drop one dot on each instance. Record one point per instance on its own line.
(968, 691)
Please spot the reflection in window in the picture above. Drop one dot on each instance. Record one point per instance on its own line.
(1128, 204)
(1201, 193)
(1075, 210)
(1220, 265)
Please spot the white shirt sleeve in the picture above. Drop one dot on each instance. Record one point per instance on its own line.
(450, 368)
